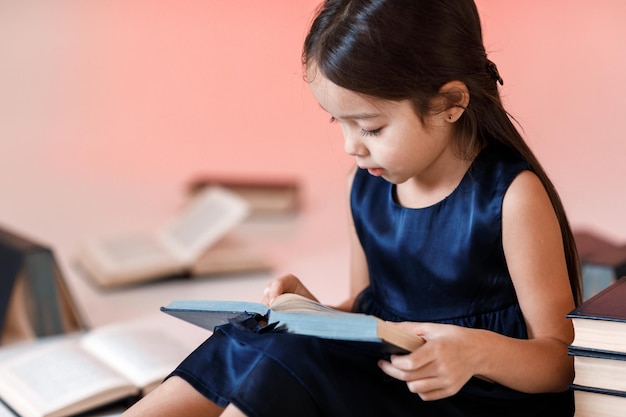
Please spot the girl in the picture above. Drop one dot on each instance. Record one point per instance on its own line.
(457, 234)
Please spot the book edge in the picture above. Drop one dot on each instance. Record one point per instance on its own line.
(585, 310)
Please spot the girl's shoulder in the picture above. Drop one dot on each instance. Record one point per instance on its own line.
(496, 166)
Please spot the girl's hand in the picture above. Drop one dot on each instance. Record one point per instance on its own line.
(441, 366)
(285, 284)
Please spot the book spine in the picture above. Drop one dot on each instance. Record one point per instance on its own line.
(573, 350)
(615, 393)
(43, 299)
(10, 264)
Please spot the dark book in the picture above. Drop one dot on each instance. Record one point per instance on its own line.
(599, 370)
(296, 314)
(593, 402)
(34, 299)
(264, 195)
(600, 322)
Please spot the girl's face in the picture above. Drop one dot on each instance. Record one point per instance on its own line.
(386, 137)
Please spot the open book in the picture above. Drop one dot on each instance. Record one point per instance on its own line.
(69, 375)
(169, 252)
(301, 315)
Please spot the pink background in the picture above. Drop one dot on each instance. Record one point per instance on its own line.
(104, 102)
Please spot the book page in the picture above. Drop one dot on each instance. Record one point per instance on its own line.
(295, 302)
(208, 217)
(128, 258)
(142, 352)
(59, 376)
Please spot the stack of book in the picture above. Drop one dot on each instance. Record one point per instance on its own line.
(599, 351)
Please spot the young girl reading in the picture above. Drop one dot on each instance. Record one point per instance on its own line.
(458, 235)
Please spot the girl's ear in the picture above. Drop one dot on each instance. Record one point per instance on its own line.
(455, 97)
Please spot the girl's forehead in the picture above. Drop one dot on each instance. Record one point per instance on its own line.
(343, 103)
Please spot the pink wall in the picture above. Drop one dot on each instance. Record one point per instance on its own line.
(143, 94)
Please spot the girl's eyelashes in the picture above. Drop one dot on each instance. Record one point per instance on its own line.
(364, 132)
(374, 132)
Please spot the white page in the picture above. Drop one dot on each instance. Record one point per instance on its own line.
(142, 351)
(56, 376)
(208, 217)
(173, 249)
(129, 255)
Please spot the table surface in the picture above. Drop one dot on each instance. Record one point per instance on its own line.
(312, 244)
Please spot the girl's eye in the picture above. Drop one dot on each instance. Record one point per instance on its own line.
(364, 132)
(374, 132)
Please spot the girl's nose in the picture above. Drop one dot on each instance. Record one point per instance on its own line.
(352, 144)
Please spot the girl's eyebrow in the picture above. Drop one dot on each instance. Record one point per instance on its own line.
(356, 116)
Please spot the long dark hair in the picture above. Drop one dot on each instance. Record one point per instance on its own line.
(408, 50)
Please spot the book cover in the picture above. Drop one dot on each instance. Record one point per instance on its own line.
(296, 314)
(608, 304)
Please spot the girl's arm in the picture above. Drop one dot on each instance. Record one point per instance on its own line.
(359, 276)
(535, 256)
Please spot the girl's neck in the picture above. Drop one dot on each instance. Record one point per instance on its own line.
(435, 184)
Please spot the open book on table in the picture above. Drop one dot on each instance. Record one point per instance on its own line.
(297, 314)
(64, 376)
(171, 251)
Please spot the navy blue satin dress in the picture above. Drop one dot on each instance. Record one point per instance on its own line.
(443, 263)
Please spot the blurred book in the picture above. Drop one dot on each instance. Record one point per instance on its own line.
(231, 255)
(602, 261)
(34, 299)
(110, 366)
(264, 195)
(171, 251)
